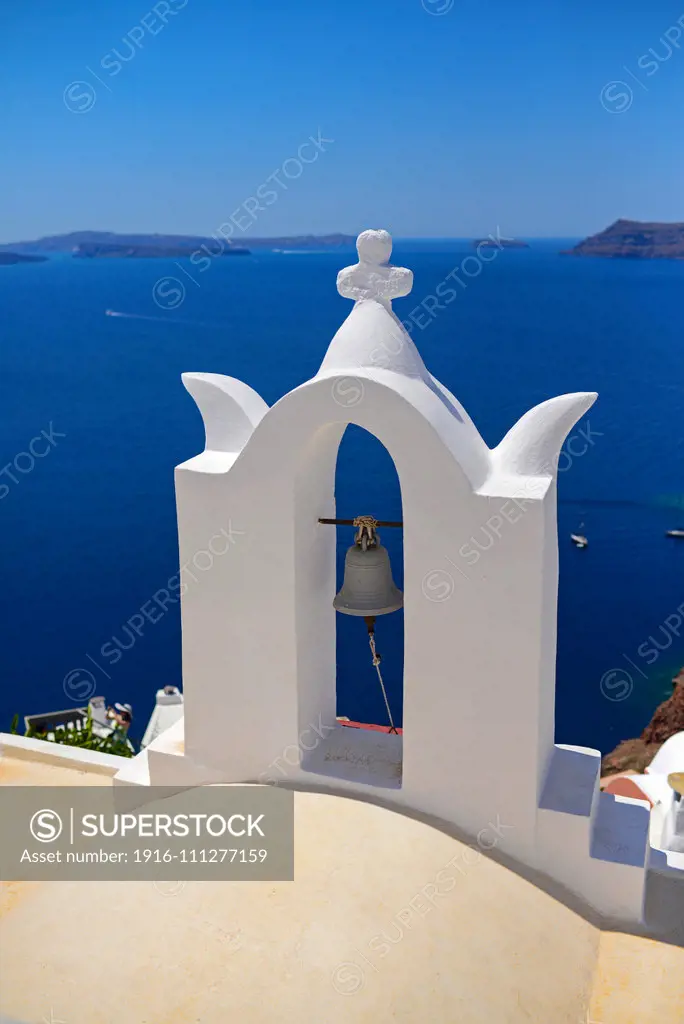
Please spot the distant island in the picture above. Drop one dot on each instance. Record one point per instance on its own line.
(109, 244)
(115, 250)
(9, 258)
(303, 242)
(633, 239)
(499, 243)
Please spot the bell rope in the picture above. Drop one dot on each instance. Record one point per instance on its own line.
(376, 663)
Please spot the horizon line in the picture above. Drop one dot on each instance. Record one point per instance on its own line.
(303, 234)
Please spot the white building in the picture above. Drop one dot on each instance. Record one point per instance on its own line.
(168, 708)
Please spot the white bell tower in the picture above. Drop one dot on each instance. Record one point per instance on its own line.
(477, 752)
(480, 636)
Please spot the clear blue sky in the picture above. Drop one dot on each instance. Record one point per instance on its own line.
(443, 124)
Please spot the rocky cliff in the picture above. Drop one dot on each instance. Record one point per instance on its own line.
(634, 239)
(635, 755)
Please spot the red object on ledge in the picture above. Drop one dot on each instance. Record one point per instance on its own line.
(366, 725)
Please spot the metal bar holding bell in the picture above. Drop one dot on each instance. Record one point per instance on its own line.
(351, 522)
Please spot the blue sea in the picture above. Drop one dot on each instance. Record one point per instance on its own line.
(88, 519)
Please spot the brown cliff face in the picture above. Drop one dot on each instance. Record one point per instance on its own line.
(668, 717)
(636, 240)
(635, 755)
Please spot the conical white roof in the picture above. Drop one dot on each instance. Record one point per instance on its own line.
(372, 336)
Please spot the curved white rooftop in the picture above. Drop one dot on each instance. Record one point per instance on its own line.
(388, 919)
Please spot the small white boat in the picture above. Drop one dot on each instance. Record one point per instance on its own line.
(579, 540)
(674, 533)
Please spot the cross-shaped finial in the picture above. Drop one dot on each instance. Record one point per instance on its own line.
(373, 277)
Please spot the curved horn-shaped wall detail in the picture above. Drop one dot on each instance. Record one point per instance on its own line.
(230, 409)
(532, 446)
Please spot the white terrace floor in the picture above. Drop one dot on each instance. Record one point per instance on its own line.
(353, 939)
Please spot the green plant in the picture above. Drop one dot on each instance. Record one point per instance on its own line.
(82, 736)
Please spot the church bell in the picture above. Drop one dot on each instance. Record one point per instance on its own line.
(368, 588)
